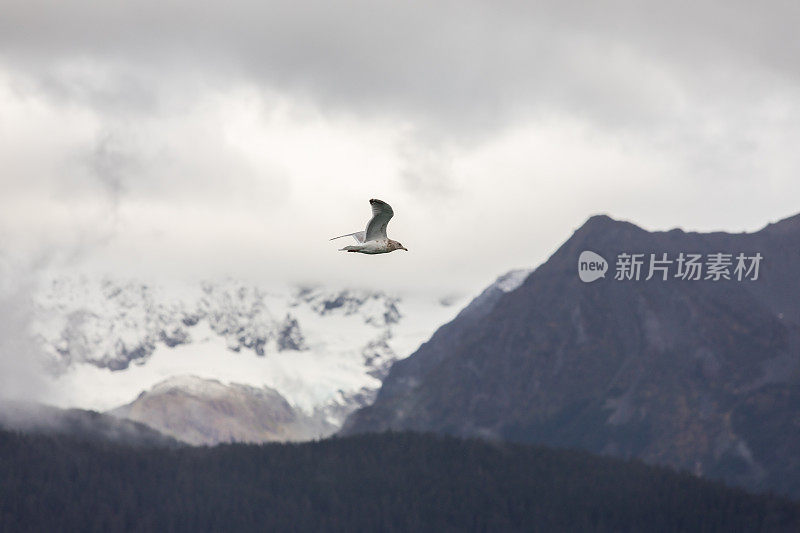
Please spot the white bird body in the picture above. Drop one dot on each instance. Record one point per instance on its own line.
(373, 240)
(370, 247)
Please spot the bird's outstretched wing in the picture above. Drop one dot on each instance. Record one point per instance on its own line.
(381, 215)
(358, 236)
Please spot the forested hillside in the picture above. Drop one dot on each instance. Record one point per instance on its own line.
(388, 482)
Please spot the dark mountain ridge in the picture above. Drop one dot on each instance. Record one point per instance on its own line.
(697, 374)
(39, 419)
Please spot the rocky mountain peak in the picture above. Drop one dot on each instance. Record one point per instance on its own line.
(789, 225)
(697, 374)
(205, 411)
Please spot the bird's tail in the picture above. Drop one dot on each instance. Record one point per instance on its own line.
(359, 236)
(340, 236)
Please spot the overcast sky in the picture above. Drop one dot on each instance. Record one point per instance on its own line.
(200, 139)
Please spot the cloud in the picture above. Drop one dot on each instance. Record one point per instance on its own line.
(22, 362)
(462, 67)
(210, 138)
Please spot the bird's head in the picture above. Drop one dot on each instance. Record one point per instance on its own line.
(394, 245)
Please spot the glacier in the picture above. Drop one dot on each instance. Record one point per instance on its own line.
(324, 349)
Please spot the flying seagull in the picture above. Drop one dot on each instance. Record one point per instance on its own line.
(374, 240)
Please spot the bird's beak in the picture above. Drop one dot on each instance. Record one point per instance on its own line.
(404, 248)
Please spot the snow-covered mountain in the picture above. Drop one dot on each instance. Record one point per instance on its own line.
(113, 324)
(324, 350)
